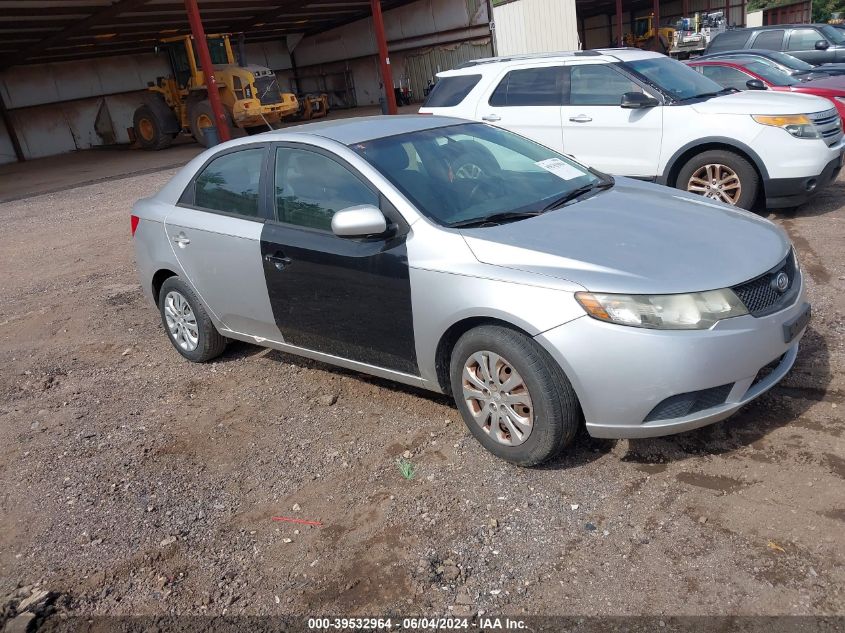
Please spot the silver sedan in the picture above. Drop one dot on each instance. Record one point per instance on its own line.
(465, 259)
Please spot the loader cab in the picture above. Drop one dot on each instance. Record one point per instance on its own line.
(184, 61)
(642, 27)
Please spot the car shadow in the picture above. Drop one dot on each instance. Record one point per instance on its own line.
(784, 404)
(826, 201)
(805, 384)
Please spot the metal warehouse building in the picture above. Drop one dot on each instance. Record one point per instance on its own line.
(72, 71)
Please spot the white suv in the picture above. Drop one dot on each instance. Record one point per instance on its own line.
(635, 113)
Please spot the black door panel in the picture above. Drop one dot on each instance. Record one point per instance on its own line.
(349, 298)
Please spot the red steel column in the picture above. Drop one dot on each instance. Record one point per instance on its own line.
(201, 46)
(727, 12)
(383, 57)
(657, 25)
(619, 38)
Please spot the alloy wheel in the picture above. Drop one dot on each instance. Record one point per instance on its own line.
(181, 321)
(717, 182)
(498, 398)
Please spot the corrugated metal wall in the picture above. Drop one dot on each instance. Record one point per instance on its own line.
(535, 26)
(418, 67)
(55, 107)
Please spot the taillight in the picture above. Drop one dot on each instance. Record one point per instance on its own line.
(133, 222)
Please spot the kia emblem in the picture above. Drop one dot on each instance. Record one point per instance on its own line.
(780, 282)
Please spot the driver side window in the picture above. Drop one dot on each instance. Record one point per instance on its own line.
(310, 188)
(598, 84)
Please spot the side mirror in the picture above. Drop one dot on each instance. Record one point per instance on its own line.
(755, 84)
(359, 221)
(822, 45)
(638, 100)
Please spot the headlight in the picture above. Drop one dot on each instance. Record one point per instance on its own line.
(799, 125)
(694, 311)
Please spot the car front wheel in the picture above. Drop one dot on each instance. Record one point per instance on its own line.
(513, 396)
(187, 323)
(720, 175)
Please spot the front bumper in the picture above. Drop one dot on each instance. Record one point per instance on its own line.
(251, 112)
(622, 373)
(790, 192)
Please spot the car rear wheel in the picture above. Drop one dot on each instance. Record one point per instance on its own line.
(513, 397)
(721, 175)
(187, 323)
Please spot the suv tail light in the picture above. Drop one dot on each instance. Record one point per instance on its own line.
(133, 223)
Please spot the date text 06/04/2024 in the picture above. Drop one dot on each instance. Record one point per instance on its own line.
(413, 624)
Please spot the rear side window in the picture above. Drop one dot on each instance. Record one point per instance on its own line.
(545, 86)
(230, 183)
(769, 40)
(450, 91)
(804, 39)
(729, 40)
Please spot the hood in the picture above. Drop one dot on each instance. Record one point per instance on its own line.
(762, 102)
(834, 84)
(637, 238)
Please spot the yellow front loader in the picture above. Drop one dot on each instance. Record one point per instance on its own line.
(644, 35)
(179, 102)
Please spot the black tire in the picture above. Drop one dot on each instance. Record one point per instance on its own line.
(210, 344)
(748, 179)
(557, 414)
(150, 129)
(200, 111)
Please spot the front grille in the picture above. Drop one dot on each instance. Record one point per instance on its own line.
(686, 403)
(829, 125)
(761, 297)
(268, 90)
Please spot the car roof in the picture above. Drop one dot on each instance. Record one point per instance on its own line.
(359, 129)
(716, 62)
(771, 27)
(760, 52)
(603, 54)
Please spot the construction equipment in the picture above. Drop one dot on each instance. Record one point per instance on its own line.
(312, 106)
(692, 35)
(686, 37)
(250, 95)
(645, 36)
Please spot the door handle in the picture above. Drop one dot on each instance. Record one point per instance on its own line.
(491, 117)
(181, 240)
(581, 118)
(278, 260)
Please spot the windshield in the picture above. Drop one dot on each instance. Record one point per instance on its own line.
(677, 80)
(470, 171)
(767, 70)
(837, 36)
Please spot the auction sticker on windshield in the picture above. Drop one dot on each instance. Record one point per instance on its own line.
(560, 168)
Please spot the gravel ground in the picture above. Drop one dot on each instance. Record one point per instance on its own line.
(134, 482)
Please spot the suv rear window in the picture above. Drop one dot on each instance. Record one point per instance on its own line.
(729, 40)
(450, 91)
